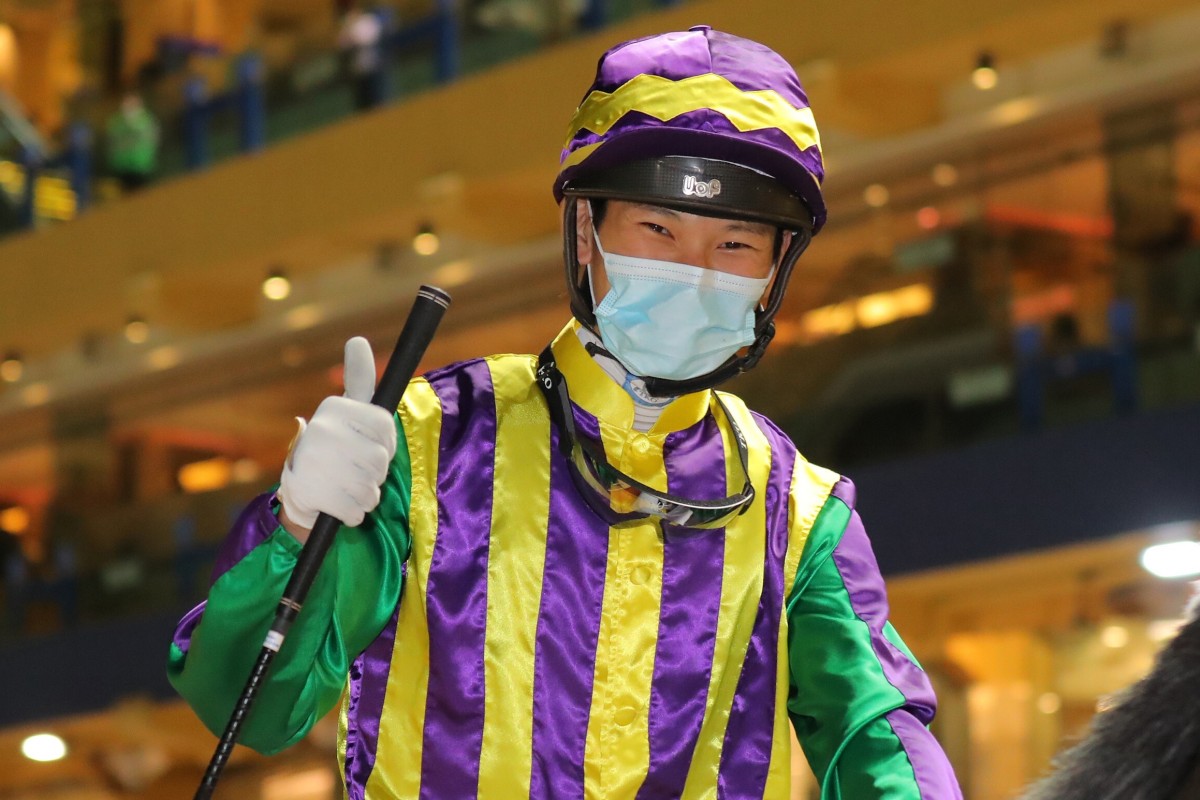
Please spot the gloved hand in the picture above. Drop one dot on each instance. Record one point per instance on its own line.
(341, 457)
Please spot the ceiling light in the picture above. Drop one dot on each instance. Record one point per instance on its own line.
(136, 330)
(11, 368)
(205, 476)
(426, 242)
(928, 218)
(984, 77)
(15, 520)
(1049, 703)
(276, 286)
(43, 747)
(876, 195)
(945, 175)
(1172, 559)
(1114, 637)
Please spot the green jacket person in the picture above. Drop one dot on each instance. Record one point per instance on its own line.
(588, 573)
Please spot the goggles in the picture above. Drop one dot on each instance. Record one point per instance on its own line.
(606, 489)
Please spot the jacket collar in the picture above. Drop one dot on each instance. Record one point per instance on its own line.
(592, 389)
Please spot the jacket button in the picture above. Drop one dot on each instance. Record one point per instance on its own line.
(625, 716)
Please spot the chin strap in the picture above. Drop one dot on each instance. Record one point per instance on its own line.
(577, 283)
(733, 366)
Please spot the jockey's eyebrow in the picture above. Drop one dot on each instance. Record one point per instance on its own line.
(731, 225)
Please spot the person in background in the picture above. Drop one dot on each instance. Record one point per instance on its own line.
(361, 38)
(587, 573)
(132, 139)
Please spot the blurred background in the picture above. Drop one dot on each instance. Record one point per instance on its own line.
(997, 336)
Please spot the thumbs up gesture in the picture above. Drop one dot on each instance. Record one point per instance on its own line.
(340, 458)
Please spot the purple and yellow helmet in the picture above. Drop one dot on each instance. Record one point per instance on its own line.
(699, 93)
(702, 121)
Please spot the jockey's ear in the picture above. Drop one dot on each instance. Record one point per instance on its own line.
(1193, 607)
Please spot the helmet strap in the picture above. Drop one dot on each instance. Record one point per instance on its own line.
(578, 285)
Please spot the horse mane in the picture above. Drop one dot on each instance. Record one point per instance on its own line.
(1145, 746)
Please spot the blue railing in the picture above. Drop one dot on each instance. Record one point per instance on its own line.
(245, 117)
(1040, 368)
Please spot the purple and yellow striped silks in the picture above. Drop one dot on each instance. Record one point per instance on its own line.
(698, 93)
(537, 652)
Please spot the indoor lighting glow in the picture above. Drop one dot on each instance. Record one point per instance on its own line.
(882, 308)
(43, 747)
(945, 175)
(304, 316)
(829, 320)
(1162, 630)
(1172, 560)
(35, 394)
(455, 273)
(984, 77)
(136, 330)
(14, 520)
(929, 218)
(426, 241)
(205, 476)
(163, 357)
(1015, 111)
(12, 368)
(245, 470)
(1114, 637)
(1049, 703)
(276, 286)
(876, 195)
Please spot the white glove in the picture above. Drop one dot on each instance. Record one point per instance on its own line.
(341, 457)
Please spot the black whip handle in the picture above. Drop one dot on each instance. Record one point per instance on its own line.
(419, 328)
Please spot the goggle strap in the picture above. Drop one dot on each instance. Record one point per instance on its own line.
(558, 400)
(560, 415)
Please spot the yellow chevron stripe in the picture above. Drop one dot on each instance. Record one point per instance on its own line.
(664, 99)
(397, 770)
(516, 556)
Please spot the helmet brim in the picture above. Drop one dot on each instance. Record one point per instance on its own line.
(650, 143)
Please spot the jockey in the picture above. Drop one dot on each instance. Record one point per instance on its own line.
(588, 573)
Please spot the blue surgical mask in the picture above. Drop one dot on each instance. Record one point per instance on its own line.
(674, 321)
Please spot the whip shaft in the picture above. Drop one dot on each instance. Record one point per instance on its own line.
(431, 303)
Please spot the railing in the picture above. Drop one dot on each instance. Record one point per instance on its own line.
(203, 124)
(167, 547)
(940, 388)
(159, 557)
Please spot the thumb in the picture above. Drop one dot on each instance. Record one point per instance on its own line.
(359, 371)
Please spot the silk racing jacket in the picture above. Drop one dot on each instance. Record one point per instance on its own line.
(490, 636)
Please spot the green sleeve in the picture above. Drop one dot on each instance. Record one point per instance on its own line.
(355, 593)
(858, 701)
